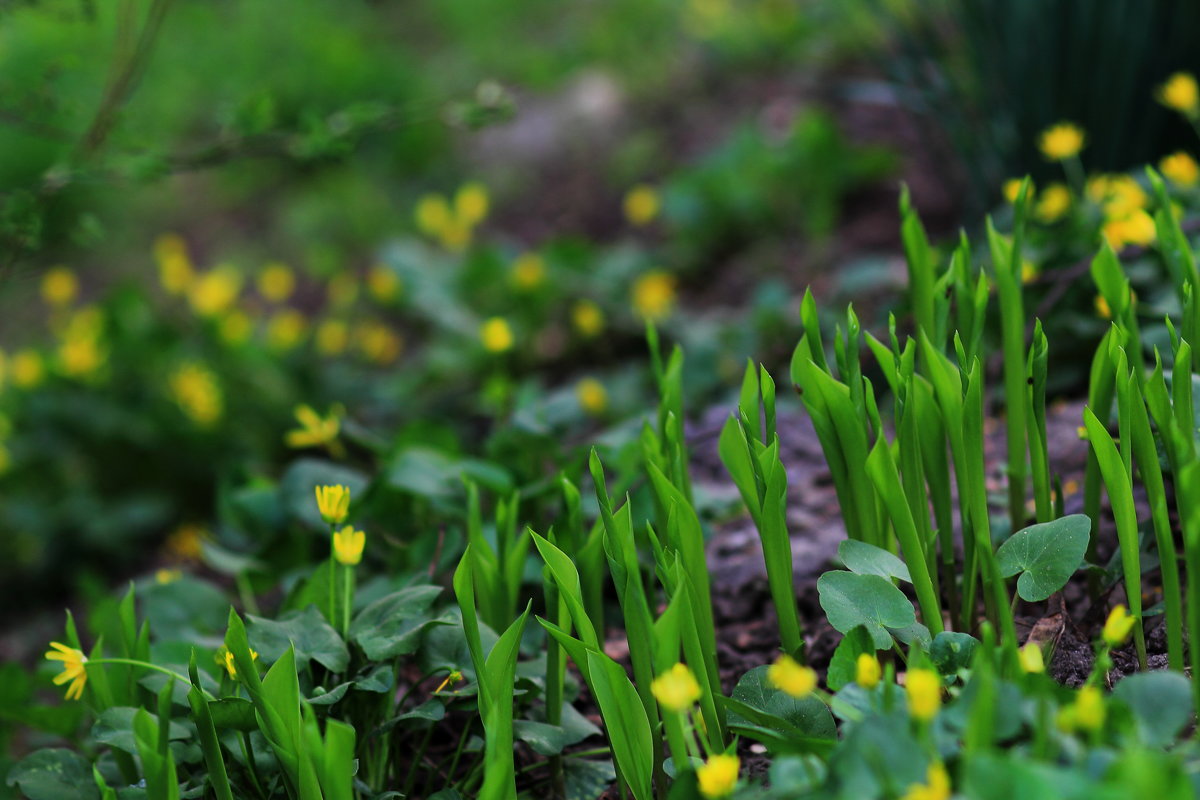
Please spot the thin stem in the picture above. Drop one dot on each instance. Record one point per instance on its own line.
(135, 663)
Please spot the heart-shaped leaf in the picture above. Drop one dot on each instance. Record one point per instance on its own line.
(807, 714)
(1161, 702)
(867, 559)
(1046, 555)
(875, 603)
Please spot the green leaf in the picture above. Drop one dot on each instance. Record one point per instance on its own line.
(545, 739)
(875, 603)
(1161, 703)
(236, 713)
(587, 780)
(625, 719)
(114, 727)
(313, 637)
(393, 625)
(54, 774)
(867, 559)
(807, 714)
(844, 665)
(952, 651)
(1046, 555)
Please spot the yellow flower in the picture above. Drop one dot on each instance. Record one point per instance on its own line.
(867, 671)
(60, 287)
(1102, 307)
(792, 678)
(332, 337)
(676, 689)
(1180, 169)
(378, 342)
(433, 214)
(592, 396)
(342, 290)
(471, 204)
(73, 668)
(26, 369)
(383, 283)
(1123, 196)
(1137, 229)
(348, 545)
(1118, 626)
(654, 295)
(235, 327)
(936, 786)
(174, 266)
(1029, 273)
(1088, 711)
(80, 355)
(276, 282)
(1053, 203)
(587, 318)
(196, 392)
(285, 329)
(642, 204)
(529, 270)
(314, 430)
(1031, 658)
(165, 576)
(225, 659)
(496, 335)
(924, 689)
(1181, 94)
(333, 503)
(1012, 187)
(718, 776)
(215, 291)
(1062, 141)
(186, 543)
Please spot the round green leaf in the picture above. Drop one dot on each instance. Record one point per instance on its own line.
(875, 603)
(54, 774)
(807, 714)
(867, 559)
(1161, 702)
(1046, 555)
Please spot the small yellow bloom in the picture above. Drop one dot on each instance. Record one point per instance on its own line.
(235, 327)
(197, 393)
(331, 337)
(348, 545)
(454, 677)
(175, 271)
(60, 287)
(792, 678)
(1180, 169)
(1053, 203)
(924, 689)
(642, 204)
(378, 342)
(455, 237)
(471, 203)
(333, 503)
(215, 291)
(587, 318)
(867, 671)
(383, 283)
(936, 786)
(73, 668)
(1031, 658)
(1011, 188)
(1137, 228)
(496, 335)
(186, 543)
(314, 430)
(1118, 626)
(1062, 141)
(529, 270)
(165, 576)
(225, 659)
(276, 282)
(433, 214)
(1072, 485)
(654, 295)
(1088, 712)
(26, 369)
(80, 356)
(1102, 307)
(718, 776)
(1181, 94)
(592, 396)
(676, 689)
(286, 329)
(1029, 273)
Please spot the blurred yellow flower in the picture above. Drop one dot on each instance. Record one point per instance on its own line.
(1118, 626)
(314, 430)
(26, 369)
(471, 203)
(592, 396)
(1029, 273)
(455, 237)
(1062, 141)
(676, 689)
(1012, 187)
(1102, 309)
(587, 318)
(496, 335)
(1053, 203)
(791, 677)
(186, 543)
(286, 329)
(1181, 94)
(175, 271)
(334, 503)
(214, 291)
(718, 776)
(164, 576)
(224, 658)
(867, 671)
(1137, 228)
(80, 355)
(276, 282)
(936, 786)
(1180, 169)
(1086, 713)
(1031, 658)
(1122, 196)
(379, 343)
(235, 327)
(197, 393)
(924, 689)
(529, 270)
(332, 336)
(642, 204)
(348, 545)
(383, 283)
(60, 287)
(74, 670)
(654, 295)
(433, 214)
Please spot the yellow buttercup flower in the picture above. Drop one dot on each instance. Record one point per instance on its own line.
(215, 291)
(433, 214)
(1053, 203)
(60, 287)
(186, 543)
(1181, 94)
(1086, 713)
(333, 503)
(471, 203)
(587, 318)
(348, 545)
(1123, 196)
(276, 282)
(718, 776)
(332, 337)
(1011, 188)
(1180, 169)
(235, 327)
(314, 430)
(225, 659)
(1137, 228)
(936, 786)
(676, 689)
(642, 204)
(26, 369)
(80, 356)
(529, 270)
(1102, 307)
(496, 335)
(867, 671)
(383, 283)
(1062, 141)
(175, 271)
(1031, 658)
(1118, 626)
(592, 396)
(164, 576)
(654, 295)
(378, 342)
(197, 393)
(1029, 273)
(74, 670)
(791, 677)
(924, 689)
(286, 329)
